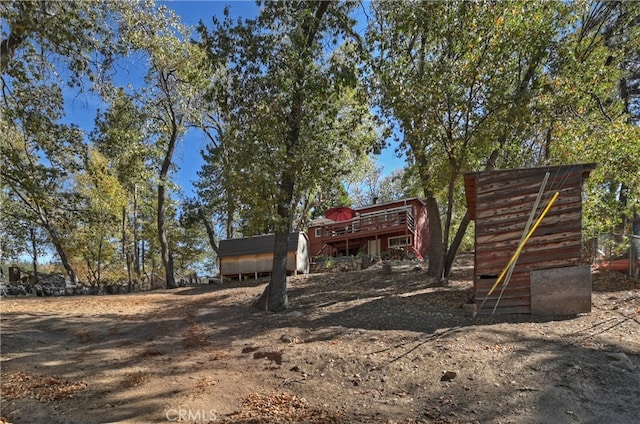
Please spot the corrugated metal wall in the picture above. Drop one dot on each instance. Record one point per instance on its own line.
(253, 256)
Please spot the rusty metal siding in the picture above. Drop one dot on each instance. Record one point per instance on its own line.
(500, 203)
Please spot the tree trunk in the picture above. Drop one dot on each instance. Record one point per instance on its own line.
(230, 219)
(466, 219)
(274, 298)
(136, 236)
(437, 250)
(62, 254)
(57, 244)
(455, 244)
(125, 248)
(34, 254)
(210, 232)
(165, 253)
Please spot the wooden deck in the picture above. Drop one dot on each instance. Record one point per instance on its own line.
(368, 226)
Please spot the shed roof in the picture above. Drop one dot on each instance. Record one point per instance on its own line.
(510, 175)
(254, 245)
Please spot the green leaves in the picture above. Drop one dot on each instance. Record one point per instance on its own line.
(290, 107)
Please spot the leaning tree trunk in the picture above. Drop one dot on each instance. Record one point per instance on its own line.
(455, 244)
(62, 253)
(211, 234)
(57, 244)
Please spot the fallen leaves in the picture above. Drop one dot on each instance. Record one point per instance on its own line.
(21, 385)
(195, 336)
(281, 408)
(135, 379)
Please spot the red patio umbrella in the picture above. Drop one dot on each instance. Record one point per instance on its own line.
(341, 213)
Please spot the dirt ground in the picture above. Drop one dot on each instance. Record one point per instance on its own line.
(355, 347)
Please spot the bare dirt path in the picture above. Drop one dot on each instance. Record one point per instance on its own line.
(358, 346)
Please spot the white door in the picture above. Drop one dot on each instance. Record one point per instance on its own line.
(374, 247)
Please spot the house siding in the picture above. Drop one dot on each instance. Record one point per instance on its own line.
(341, 237)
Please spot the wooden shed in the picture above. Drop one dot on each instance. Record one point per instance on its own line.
(253, 256)
(548, 277)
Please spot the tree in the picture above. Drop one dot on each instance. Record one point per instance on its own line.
(47, 47)
(120, 136)
(171, 100)
(459, 79)
(301, 110)
(593, 94)
(19, 236)
(103, 199)
(39, 156)
(373, 187)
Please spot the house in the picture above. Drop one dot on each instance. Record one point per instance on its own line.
(253, 256)
(548, 277)
(373, 230)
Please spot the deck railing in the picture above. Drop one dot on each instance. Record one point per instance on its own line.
(384, 221)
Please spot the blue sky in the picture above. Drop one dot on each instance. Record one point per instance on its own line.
(187, 156)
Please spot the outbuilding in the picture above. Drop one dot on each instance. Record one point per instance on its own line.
(549, 276)
(253, 256)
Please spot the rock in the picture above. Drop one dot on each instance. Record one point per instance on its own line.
(448, 376)
(287, 338)
(295, 314)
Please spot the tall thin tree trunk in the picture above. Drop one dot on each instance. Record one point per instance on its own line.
(165, 251)
(136, 247)
(99, 261)
(455, 244)
(125, 248)
(230, 220)
(437, 249)
(34, 254)
(466, 219)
